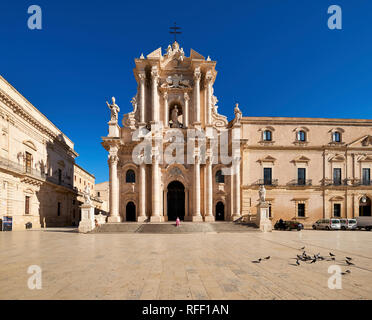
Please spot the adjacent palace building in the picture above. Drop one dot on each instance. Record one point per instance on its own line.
(311, 168)
(40, 184)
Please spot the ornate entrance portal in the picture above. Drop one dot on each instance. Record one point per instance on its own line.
(220, 211)
(131, 211)
(176, 201)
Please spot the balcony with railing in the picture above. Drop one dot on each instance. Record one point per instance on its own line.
(21, 169)
(267, 182)
(300, 182)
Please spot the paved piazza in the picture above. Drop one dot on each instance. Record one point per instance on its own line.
(182, 266)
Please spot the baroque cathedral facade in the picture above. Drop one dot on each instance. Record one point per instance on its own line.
(311, 168)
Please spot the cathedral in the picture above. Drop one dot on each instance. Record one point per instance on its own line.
(176, 156)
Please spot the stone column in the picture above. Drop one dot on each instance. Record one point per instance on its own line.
(209, 214)
(142, 194)
(208, 83)
(197, 216)
(166, 110)
(156, 197)
(236, 168)
(186, 111)
(197, 76)
(142, 77)
(114, 188)
(155, 97)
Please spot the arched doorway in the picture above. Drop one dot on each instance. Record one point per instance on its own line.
(131, 211)
(220, 211)
(365, 207)
(176, 201)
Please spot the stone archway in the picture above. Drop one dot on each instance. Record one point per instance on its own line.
(176, 201)
(220, 211)
(365, 207)
(130, 211)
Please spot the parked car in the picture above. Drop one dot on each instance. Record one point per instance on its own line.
(348, 224)
(364, 222)
(288, 225)
(327, 224)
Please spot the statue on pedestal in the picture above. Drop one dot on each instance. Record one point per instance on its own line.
(238, 114)
(114, 110)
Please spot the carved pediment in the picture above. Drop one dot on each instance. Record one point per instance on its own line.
(301, 159)
(364, 141)
(336, 198)
(365, 158)
(30, 144)
(267, 159)
(337, 158)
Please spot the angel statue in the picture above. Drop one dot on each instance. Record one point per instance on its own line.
(114, 110)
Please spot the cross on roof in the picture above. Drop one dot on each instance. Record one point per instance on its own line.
(174, 31)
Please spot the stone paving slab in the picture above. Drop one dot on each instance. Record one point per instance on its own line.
(183, 266)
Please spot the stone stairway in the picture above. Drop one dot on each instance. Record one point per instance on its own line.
(170, 227)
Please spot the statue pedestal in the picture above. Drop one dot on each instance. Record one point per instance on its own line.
(114, 129)
(87, 223)
(263, 221)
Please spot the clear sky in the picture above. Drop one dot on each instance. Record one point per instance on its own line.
(276, 57)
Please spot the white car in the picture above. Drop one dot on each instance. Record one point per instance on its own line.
(348, 224)
(327, 224)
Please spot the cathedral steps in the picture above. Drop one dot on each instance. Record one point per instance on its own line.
(170, 228)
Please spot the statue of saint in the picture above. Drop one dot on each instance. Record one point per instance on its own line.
(174, 117)
(114, 110)
(262, 193)
(238, 113)
(87, 195)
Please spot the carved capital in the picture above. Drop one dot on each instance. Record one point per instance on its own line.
(186, 96)
(113, 159)
(208, 77)
(142, 77)
(154, 73)
(197, 74)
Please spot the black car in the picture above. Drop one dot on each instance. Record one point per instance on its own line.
(288, 225)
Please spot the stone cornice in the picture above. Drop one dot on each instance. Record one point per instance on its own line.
(22, 113)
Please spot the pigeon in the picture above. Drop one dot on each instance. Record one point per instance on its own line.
(267, 258)
(348, 271)
(313, 261)
(348, 258)
(349, 263)
(257, 261)
(302, 248)
(333, 258)
(331, 254)
(297, 262)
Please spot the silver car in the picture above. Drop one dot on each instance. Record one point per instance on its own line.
(348, 224)
(327, 224)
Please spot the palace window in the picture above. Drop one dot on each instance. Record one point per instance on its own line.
(337, 176)
(337, 210)
(301, 136)
(58, 209)
(130, 176)
(301, 176)
(267, 135)
(300, 210)
(366, 177)
(268, 176)
(336, 136)
(220, 178)
(28, 162)
(27, 205)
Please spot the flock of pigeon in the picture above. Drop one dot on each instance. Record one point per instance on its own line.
(304, 257)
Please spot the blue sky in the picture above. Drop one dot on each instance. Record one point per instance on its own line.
(276, 57)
